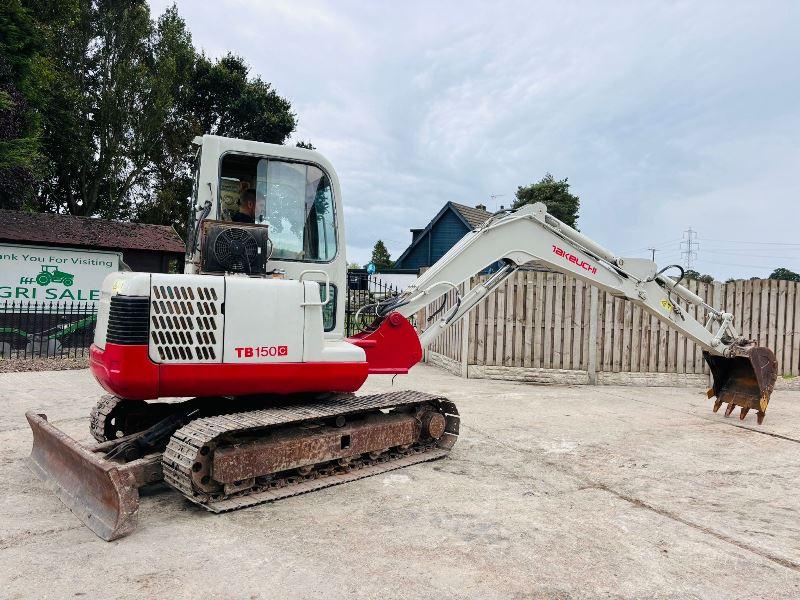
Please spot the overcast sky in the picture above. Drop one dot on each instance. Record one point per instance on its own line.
(664, 116)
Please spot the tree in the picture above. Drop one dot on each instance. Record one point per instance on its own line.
(307, 145)
(219, 98)
(692, 274)
(225, 100)
(555, 196)
(101, 120)
(20, 158)
(380, 257)
(121, 97)
(785, 274)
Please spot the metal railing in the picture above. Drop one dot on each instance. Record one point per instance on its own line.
(364, 290)
(46, 329)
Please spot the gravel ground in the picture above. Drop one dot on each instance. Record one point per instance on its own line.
(17, 365)
(550, 492)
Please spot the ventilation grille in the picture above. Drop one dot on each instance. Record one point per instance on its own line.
(186, 323)
(127, 320)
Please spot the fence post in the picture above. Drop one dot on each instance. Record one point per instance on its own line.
(591, 366)
(465, 331)
(716, 302)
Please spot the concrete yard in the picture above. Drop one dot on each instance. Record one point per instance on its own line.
(572, 492)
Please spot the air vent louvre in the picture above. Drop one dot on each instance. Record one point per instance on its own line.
(185, 323)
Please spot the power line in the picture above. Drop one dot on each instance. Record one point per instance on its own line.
(751, 255)
(749, 242)
(712, 262)
(657, 246)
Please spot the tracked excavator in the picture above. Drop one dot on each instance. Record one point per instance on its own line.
(252, 333)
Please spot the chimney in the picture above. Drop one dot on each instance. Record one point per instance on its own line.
(480, 206)
(415, 234)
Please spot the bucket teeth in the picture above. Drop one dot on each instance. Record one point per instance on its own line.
(745, 377)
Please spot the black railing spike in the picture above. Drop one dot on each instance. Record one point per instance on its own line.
(39, 329)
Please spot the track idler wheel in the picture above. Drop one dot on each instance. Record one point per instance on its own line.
(113, 417)
(745, 379)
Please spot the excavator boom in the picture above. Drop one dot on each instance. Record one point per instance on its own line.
(744, 374)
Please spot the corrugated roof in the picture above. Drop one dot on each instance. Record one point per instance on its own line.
(68, 230)
(474, 216)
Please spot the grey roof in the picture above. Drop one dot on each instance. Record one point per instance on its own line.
(474, 216)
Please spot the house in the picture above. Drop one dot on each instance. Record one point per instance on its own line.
(151, 248)
(450, 224)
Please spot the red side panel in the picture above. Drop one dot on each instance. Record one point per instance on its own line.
(125, 371)
(392, 348)
(128, 372)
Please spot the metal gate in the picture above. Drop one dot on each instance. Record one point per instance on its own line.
(363, 291)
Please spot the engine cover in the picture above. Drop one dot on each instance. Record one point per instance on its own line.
(201, 335)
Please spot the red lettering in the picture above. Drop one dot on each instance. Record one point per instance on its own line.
(261, 351)
(574, 260)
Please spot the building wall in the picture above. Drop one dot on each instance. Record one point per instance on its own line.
(435, 243)
(446, 233)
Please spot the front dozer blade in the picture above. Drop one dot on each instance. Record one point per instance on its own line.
(102, 493)
(746, 379)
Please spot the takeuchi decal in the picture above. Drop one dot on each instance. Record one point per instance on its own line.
(574, 260)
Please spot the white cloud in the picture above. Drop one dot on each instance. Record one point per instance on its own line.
(663, 116)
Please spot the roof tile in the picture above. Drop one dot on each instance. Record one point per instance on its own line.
(474, 216)
(68, 230)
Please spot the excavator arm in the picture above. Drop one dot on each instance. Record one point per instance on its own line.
(744, 374)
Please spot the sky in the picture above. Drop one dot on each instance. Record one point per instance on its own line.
(664, 116)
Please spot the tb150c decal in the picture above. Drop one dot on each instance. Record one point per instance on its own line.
(575, 260)
(261, 351)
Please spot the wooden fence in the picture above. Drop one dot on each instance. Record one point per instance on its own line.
(544, 320)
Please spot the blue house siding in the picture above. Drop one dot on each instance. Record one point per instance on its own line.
(444, 235)
(418, 257)
(451, 224)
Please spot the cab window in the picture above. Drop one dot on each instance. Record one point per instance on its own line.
(295, 200)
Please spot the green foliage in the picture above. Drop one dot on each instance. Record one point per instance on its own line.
(555, 196)
(692, 274)
(354, 265)
(225, 100)
(380, 257)
(20, 159)
(785, 274)
(119, 98)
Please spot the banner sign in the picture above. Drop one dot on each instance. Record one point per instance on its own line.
(60, 275)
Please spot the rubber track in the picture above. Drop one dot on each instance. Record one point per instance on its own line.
(99, 414)
(184, 446)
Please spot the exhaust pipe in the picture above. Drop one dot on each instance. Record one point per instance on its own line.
(745, 379)
(102, 493)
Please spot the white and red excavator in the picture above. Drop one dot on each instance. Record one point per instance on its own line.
(253, 334)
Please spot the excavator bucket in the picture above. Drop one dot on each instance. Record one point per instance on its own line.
(746, 379)
(102, 493)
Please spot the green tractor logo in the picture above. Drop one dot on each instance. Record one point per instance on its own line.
(52, 274)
